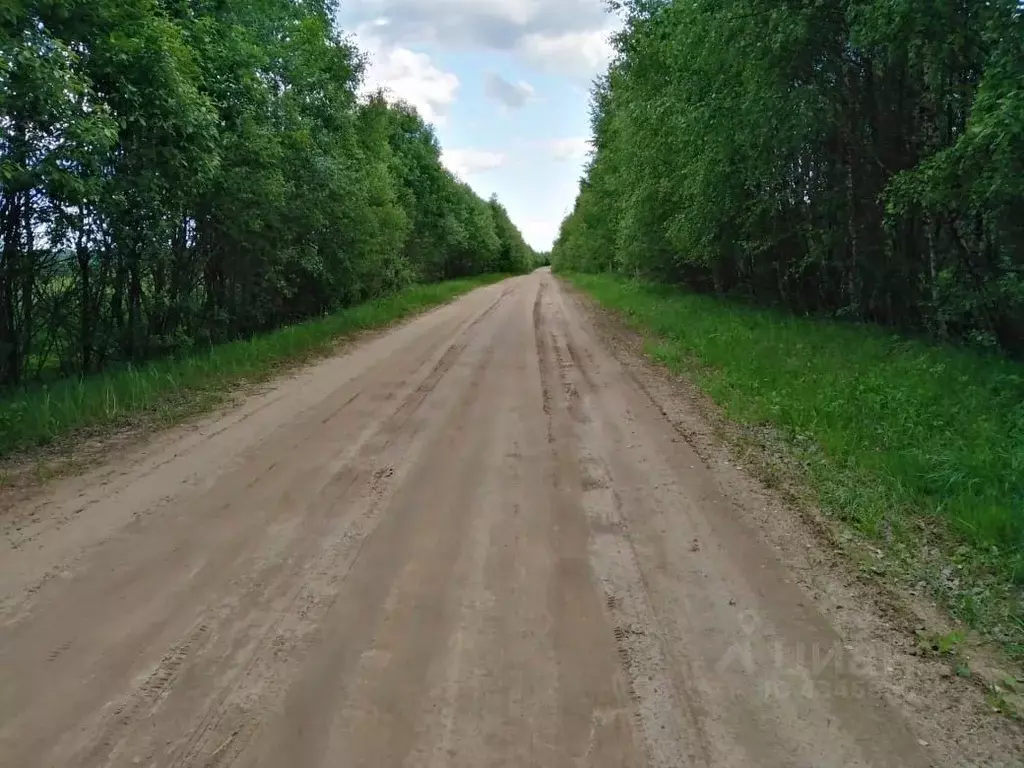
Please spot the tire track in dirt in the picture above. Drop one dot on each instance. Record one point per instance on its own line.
(670, 740)
(369, 574)
(390, 447)
(368, 465)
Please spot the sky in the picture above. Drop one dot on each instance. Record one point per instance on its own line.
(505, 84)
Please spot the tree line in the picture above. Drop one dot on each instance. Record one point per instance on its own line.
(176, 173)
(863, 159)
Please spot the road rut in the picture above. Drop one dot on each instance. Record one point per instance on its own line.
(470, 541)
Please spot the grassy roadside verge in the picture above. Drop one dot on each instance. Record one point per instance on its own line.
(165, 391)
(919, 448)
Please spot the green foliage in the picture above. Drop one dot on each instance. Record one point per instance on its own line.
(166, 389)
(903, 440)
(943, 645)
(176, 174)
(861, 159)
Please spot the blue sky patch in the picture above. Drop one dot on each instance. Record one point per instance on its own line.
(506, 85)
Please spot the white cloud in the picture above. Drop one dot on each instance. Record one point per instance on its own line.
(566, 40)
(572, 150)
(580, 55)
(540, 233)
(468, 162)
(511, 95)
(495, 24)
(407, 75)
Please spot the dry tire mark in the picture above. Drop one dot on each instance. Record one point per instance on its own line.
(335, 561)
(670, 739)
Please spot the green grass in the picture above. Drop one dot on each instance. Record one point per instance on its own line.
(917, 445)
(167, 390)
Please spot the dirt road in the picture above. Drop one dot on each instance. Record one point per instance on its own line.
(471, 541)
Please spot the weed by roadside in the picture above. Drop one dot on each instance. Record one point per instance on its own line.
(165, 391)
(917, 447)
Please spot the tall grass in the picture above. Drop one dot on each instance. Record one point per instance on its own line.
(168, 389)
(900, 438)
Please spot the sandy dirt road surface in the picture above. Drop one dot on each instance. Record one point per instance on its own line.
(470, 541)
